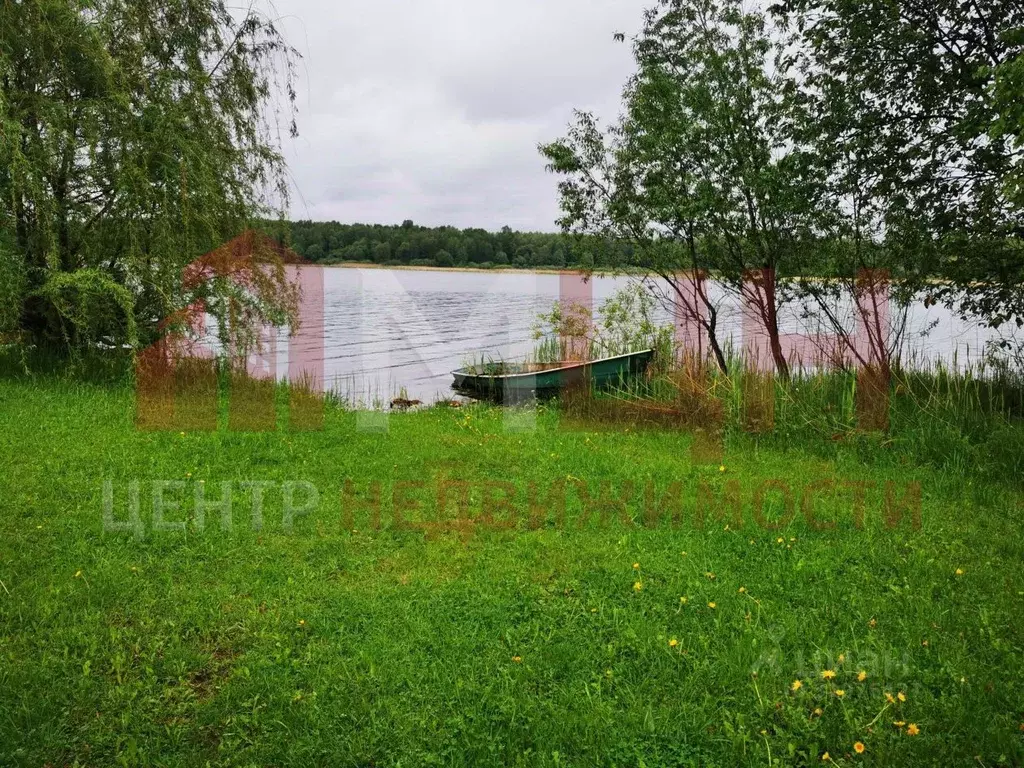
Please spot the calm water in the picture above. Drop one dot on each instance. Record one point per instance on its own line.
(394, 331)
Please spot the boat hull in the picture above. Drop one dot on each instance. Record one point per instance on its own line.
(548, 383)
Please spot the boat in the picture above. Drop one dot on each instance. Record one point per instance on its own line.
(513, 381)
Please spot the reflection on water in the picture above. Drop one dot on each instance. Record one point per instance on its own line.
(393, 331)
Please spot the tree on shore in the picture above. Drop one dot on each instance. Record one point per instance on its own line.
(134, 137)
(704, 158)
(916, 115)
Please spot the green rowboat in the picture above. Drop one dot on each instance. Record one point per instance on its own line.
(514, 381)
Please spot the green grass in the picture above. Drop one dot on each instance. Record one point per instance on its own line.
(398, 646)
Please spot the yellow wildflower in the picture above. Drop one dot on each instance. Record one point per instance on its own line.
(828, 674)
(638, 586)
(742, 590)
(636, 566)
(862, 676)
(517, 659)
(796, 686)
(712, 605)
(826, 757)
(889, 698)
(673, 643)
(858, 747)
(684, 599)
(840, 692)
(913, 730)
(898, 723)
(901, 696)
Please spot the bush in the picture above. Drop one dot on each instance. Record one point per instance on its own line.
(12, 287)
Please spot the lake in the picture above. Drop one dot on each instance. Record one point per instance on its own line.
(402, 331)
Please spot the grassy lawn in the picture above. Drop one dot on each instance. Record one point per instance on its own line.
(576, 642)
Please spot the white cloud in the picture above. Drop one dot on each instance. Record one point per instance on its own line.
(432, 110)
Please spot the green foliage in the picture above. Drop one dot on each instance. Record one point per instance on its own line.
(329, 242)
(133, 140)
(92, 308)
(704, 170)
(12, 286)
(913, 113)
(853, 136)
(624, 323)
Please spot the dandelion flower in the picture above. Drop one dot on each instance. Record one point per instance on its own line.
(840, 692)
(636, 566)
(78, 574)
(709, 574)
(873, 623)
(959, 572)
(638, 586)
(898, 723)
(842, 657)
(302, 622)
(889, 698)
(517, 659)
(901, 696)
(828, 674)
(862, 676)
(712, 605)
(913, 730)
(858, 747)
(722, 468)
(742, 590)
(684, 599)
(779, 540)
(818, 712)
(826, 757)
(796, 686)
(673, 643)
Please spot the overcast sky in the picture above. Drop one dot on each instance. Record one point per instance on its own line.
(432, 110)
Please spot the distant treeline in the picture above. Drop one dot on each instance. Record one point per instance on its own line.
(328, 242)
(407, 244)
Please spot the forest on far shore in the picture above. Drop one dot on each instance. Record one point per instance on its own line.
(407, 244)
